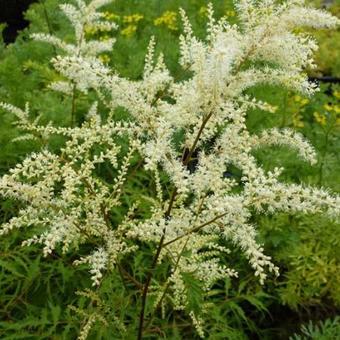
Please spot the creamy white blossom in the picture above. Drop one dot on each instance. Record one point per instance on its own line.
(187, 134)
(80, 56)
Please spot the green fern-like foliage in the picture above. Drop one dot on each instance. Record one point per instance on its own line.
(325, 330)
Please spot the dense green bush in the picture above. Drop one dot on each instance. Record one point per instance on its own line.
(47, 298)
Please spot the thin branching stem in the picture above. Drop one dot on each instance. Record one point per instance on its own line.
(49, 27)
(194, 230)
(147, 285)
(324, 154)
(185, 160)
(167, 285)
(73, 105)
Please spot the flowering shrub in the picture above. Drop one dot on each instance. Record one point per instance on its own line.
(187, 135)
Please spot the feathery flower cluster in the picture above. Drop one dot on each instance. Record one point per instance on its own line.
(84, 19)
(191, 228)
